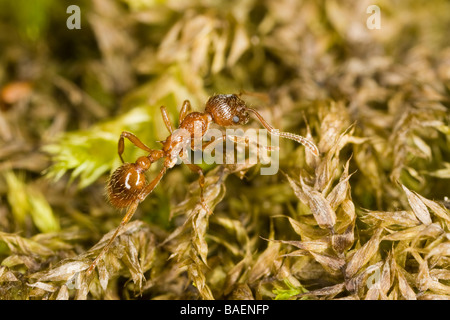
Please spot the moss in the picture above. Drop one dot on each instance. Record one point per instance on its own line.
(367, 219)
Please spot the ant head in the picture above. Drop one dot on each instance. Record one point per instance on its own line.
(227, 110)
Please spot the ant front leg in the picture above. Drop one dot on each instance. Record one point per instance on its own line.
(165, 116)
(211, 144)
(259, 95)
(152, 185)
(185, 109)
(201, 180)
(134, 140)
(195, 168)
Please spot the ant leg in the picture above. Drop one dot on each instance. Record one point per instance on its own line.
(201, 180)
(237, 139)
(212, 143)
(131, 210)
(152, 185)
(165, 116)
(134, 140)
(185, 109)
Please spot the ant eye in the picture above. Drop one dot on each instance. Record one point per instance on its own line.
(235, 119)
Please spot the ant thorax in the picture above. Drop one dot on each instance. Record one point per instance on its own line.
(197, 123)
(175, 144)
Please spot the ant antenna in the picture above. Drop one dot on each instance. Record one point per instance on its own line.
(302, 140)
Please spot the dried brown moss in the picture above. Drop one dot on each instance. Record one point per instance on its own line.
(368, 219)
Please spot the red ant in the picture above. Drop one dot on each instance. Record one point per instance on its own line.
(127, 186)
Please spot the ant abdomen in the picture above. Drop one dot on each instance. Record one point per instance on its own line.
(125, 185)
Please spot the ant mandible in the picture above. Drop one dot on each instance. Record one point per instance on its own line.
(127, 185)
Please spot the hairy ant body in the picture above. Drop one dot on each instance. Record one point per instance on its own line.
(127, 186)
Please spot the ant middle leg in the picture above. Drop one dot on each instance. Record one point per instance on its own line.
(134, 140)
(201, 180)
(247, 140)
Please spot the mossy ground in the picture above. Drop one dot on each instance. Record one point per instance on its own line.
(368, 219)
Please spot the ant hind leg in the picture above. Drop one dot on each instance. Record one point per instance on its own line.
(134, 140)
(131, 210)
